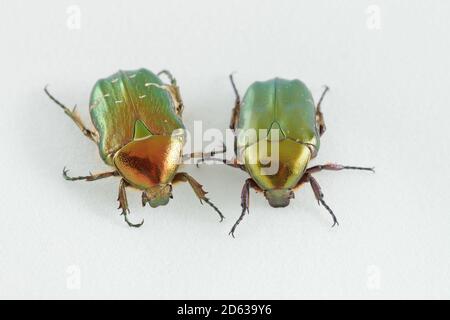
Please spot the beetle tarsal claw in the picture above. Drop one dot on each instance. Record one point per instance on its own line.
(144, 199)
(65, 175)
(133, 225)
(231, 233)
(125, 213)
(335, 221)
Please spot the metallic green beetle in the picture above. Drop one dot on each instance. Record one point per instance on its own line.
(139, 132)
(292, 126)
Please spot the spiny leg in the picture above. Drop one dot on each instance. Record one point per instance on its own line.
(319, 197)
(197, 187)
(237, 105)
(174, 90)
(123, 204)
(245, 201)
(337, 167)
(307, 177)
(90, 177)
(319, 116)
(75, 117)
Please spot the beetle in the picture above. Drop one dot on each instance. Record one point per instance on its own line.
(284, 107)
(139, 132)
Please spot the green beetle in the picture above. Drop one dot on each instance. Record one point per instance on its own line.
(139, 132)
(292, 125)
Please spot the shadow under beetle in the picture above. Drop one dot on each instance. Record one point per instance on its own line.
(287, 107)
(139, 132)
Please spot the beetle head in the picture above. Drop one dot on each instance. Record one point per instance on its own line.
(157, 196)
(279, 198)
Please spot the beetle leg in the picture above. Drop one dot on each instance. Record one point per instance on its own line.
(233, 163)
(205, 155)
(169, 75)
(123, 204)
(75, 117)
(318, 194)
(197, 187)
(319, 116)
(90, 177)
(175, 93)
(175, 90)
(336, 167)
(245, 201)
(237, 106)
(307, 177)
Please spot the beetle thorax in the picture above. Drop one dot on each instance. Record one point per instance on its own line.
(276, 164)
(151, 162)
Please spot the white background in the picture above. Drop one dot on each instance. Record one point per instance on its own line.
(388, 107)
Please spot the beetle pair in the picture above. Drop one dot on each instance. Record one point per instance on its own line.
(139, 132)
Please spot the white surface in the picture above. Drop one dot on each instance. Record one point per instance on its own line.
(388, 107)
